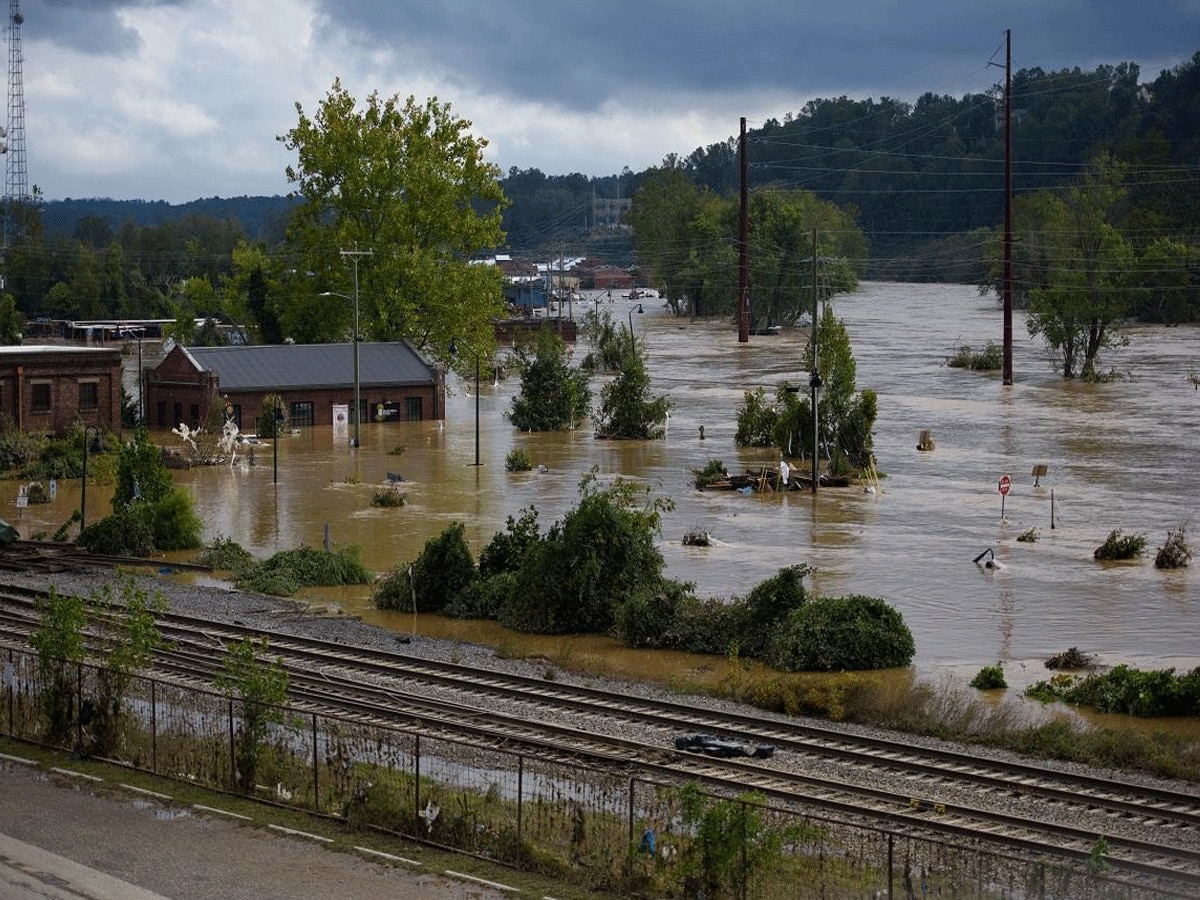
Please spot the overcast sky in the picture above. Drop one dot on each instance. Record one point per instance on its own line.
(180, 99)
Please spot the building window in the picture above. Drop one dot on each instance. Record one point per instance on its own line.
(177, 409)
(89, 396)
(162, 413)
(41, 396)
(412, 409)
(302, 414)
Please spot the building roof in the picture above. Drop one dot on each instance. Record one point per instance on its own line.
(284, 366)
(58, 350)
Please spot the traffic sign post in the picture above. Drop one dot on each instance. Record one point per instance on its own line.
(1005, 484)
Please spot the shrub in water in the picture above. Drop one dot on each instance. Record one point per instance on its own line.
(517, 461)
(444, 569)
(1121, 546)
(989, 678)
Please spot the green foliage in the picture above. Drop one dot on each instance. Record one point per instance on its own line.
(506, 550)
(627, 409)
(756, 420)
(124, 533)
(141, 472)
(553, 395)
(687, 239)
(610, 340)
(260, 688)
(126, 636)
(408, 181)
(731, 843)
(834, 633)
(1075, 263)
(289, 570)
(58, 640)
(60, 457)
(517, 460)
(483, 598)
(1127, 691)
(1121, 546)
(173, 521)
(225, 555)
(599, 555)
(989, 678)
(17, 448)
(711, 472)
(987, 360)
(444, 570)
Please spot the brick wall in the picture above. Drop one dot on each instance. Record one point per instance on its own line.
(47, 390)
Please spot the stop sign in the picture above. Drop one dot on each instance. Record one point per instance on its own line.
(1005, 484)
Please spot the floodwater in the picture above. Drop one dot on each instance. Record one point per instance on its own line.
(1119, 455)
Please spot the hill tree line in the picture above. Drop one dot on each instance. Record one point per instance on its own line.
(895, 190)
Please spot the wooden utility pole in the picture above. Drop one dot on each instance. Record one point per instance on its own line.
(1008, 238)
(814, 379)
(743, 243)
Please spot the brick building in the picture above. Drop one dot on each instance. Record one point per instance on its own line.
(396, 384)
(46, 389)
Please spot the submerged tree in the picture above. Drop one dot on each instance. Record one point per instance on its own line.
(553, 395)
(627, 408)
(846, 416)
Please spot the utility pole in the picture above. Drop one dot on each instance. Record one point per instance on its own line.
(1007, 374)
(354, 256)
(814, 380)
(743, 243)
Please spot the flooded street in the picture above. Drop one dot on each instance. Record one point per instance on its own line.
(1119, 455)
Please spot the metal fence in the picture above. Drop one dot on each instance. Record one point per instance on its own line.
(603, 828)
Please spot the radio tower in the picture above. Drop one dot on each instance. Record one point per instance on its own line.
(16, 176)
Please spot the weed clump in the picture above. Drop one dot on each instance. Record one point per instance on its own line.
(289, 570)
(1175, 553)
(989, 678)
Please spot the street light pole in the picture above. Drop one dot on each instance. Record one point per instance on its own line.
(454, 352)
(357, 414)
(638, 309)
(476, 409)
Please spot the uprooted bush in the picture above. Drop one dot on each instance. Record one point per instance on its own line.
(1175, 553)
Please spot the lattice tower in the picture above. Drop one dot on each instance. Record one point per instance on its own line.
(16, 176)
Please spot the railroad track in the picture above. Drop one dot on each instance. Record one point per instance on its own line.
(578, 723)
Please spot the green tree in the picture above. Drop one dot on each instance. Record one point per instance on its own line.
(845, 415)
(627, 409)
(553, 395)
(126, 638)
(259, 687)
(10, 320)
(1074, 266)
(434, 579)
(58, 640)
(408, 182)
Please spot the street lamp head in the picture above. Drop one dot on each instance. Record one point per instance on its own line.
(815, 382)
(638, 309)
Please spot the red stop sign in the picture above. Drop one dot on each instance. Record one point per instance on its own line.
(1005, 484)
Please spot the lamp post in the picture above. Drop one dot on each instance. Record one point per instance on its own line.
(638, 309)
(454, 352)
(95, 435)
(355, 414)
(275, 448)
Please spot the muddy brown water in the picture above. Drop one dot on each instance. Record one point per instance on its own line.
(1119, 455)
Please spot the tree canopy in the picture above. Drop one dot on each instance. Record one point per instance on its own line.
(407, 183)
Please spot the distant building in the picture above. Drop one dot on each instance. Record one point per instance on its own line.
(395, 383)
(46, 389)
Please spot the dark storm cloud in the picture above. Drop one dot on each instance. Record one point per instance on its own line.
(89, 26)
(579, 56)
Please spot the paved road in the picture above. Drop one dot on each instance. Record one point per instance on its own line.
(67, 838)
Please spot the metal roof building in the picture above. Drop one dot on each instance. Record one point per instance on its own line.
(315, 382)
